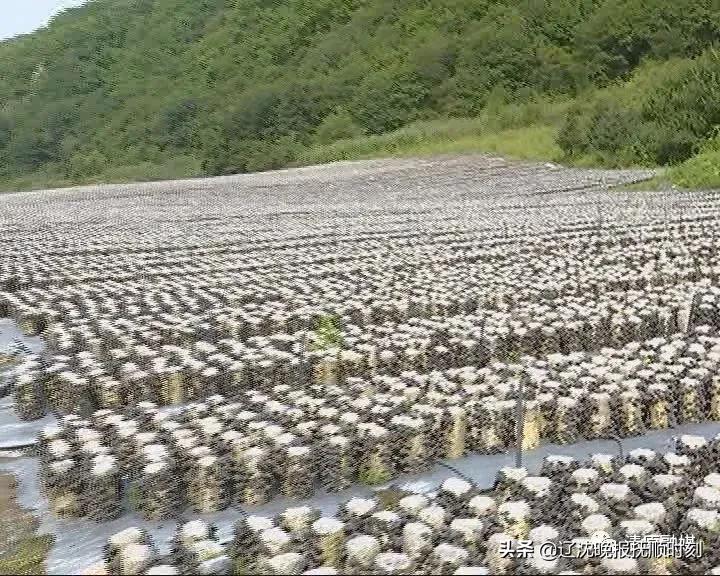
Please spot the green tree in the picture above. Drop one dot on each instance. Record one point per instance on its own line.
(246, 84)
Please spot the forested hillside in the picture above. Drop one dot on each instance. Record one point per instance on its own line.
(130, 89)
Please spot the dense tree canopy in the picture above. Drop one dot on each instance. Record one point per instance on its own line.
(243, 84)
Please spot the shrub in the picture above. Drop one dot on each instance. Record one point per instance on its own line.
(327, 333)
(700, 171)
(86, 163)
(660, 117)
(337, 126)
(572, 136)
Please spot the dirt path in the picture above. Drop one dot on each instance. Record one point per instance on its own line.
(22, 551)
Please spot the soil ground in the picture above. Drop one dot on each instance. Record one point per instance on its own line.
(22, 551)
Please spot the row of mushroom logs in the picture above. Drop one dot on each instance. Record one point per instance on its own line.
(107, 355)
(79, 384)
(213, 454)
(518, 526)
(114, 374)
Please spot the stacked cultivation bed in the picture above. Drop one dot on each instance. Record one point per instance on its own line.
(287, 442)
(460, 529)
(220, 346)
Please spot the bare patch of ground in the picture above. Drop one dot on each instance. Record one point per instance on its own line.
(7, 361)
(22, 551)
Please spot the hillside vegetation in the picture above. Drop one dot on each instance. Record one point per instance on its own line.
(140, 89)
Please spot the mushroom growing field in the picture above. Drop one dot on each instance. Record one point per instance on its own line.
(222, 358)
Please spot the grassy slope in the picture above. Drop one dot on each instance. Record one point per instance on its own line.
(181, 167)
(536, 141)
(533, 142)
(516, 131)
(701, 171)
(520, 131)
